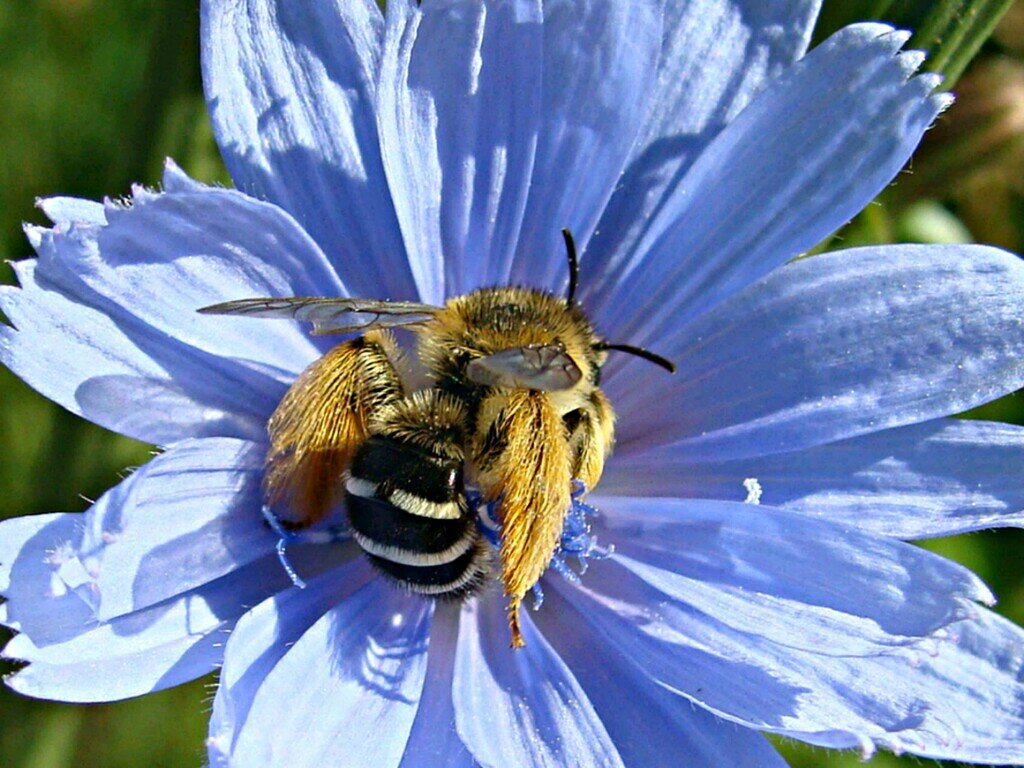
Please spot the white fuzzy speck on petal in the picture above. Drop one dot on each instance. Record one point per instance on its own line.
(753, 491)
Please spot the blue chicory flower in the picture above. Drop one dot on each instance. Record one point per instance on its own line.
(754, 576)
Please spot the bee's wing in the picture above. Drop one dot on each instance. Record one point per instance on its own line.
(330, 315)
(542, 367)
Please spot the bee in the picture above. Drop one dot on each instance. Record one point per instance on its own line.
(512, 406)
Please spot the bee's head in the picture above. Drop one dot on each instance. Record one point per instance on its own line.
(520, 338)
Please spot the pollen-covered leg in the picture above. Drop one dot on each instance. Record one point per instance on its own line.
(521, 453)
(320, 422)
(591, 436)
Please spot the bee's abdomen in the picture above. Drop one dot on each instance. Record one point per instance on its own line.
(408, 510)
(409, 477)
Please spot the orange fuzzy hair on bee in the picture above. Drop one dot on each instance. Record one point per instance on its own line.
(533, 475)
(321, 421)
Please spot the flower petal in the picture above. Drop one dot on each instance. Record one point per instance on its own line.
(835, 346)
(122, 374)
(48, 577)
(459, 105)
(930, 698)
(650, 726)
(972, 694)
(155, 369)
(169, 254)
(434, 739)
(934, 479)
(42, 595)
(291, 94)
(807, 154)
(362, 662)
(716, 54)
(522, 707)
(74, 657)
(189, 516)
(147, 651)
(66, 211)
(261, 638)
(794, 580)
(598, 81)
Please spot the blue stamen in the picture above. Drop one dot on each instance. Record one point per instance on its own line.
(286, 536)
(576, 541)
(331, 535)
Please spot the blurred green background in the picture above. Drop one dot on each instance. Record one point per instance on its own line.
(94, 95)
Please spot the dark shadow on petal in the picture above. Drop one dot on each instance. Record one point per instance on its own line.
(37, 600)
(377, 652)
(233, 539)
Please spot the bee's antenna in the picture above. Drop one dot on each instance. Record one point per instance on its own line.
(646, 354)
(574, 265)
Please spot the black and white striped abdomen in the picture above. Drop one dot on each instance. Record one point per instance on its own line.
(406, 500)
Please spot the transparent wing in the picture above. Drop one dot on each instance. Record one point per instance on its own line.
(329, 315)
(546, 368)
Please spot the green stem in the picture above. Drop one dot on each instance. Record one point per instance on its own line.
(981, 20)
(954, 32)
(936, 24)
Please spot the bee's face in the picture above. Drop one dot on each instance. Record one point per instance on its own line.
(491, 321)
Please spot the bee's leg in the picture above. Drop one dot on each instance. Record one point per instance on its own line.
(320, 422)
(591, 435)
(521, 454)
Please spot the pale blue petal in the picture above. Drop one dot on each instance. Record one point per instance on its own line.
(169, 254)
(66, 211)
(131, 656)
(789, 578)
(360, 666)
(291, 90)
(434, 740)
(121, 373)
(598, 80)
(831, 347)
(934, 479)
(50, 570)
(189, 516)
(650, 726)
(47, 592)
(955, 695)
(73, 657)
(972, 689)
(808, 153)
(186, 518)
(261, 638)
(524, 707)
(716, 55)
(106, 320)
(737, 673)
(459, 107)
